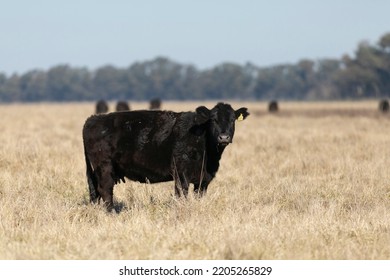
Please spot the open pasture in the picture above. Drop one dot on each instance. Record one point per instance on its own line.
(311, 181)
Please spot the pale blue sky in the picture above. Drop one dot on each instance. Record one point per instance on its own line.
(44, 33)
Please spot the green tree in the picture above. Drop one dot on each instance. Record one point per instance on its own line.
(68, 84)
(110, 83)
(10, 89)
(384, 42)
(33, 85)
(227, 81)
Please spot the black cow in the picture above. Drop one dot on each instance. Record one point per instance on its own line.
(101, 107)
(273, 106)
(157, 146)
(155, 104)
(384, 106)
(122, 106)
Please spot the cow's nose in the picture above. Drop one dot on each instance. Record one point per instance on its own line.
(224, 138)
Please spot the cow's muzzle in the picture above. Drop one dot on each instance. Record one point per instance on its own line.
(224, 139)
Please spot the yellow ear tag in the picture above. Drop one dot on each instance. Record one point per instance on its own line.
(240, 118)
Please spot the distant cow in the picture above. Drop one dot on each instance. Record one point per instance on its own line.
(122, 106)
(155, 104)
(384, 106)
(101, 107)
(273, 106)
(157, 146)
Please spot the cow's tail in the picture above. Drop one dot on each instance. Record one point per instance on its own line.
(92, 181)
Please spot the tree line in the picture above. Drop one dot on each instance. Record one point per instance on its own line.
(365, 75)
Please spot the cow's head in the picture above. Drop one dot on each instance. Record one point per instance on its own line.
(221, 120)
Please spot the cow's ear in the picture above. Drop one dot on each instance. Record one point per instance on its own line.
(241, 114)
(202, 115)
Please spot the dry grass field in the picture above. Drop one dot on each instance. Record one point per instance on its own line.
(309, 182)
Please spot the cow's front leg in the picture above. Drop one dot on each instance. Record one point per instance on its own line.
(201, 189)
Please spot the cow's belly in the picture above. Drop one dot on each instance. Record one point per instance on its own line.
(143, 167)
(145, 175)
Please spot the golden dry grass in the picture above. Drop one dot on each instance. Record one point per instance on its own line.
(310, 182)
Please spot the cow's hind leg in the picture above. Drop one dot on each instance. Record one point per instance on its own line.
(94, 195)
(106, 187)
(92, 179)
